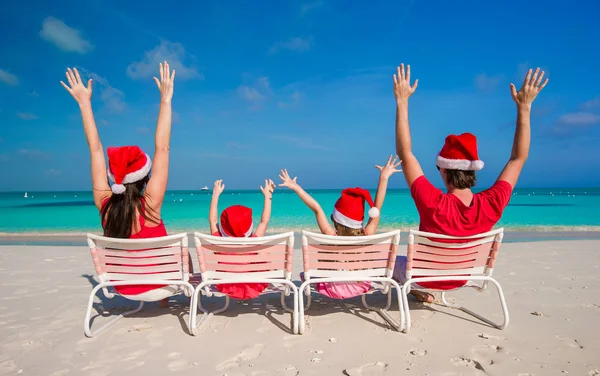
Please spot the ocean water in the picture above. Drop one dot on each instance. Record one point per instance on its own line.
(556, 209)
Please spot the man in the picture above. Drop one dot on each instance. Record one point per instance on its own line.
(460, 212)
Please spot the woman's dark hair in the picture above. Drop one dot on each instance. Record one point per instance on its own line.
(119, 212)
(461, 179)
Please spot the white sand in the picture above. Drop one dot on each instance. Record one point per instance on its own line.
(44, 290)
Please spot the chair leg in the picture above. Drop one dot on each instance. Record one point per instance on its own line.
(383, 312)
(86, 324)
(502, 303)
(405, 306)
(293, 311)
(196, 305)
(301, 308)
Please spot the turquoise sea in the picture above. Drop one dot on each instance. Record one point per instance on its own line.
(547, 209)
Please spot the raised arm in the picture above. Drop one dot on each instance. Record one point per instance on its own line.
(312, 204)
(213, 213)
(83, 96)
(267, 190)
(385, 172)
(157, 185)
(523, 98)
(402, 92)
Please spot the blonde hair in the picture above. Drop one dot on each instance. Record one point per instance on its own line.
(347, 231)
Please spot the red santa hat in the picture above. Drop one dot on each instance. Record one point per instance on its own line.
(349, 210)
(460, 153)
(127, 164)
(236, 221)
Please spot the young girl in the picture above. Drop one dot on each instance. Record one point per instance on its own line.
(130, 208)
(348, 215)
(236, 221)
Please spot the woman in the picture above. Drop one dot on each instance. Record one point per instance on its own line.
(131, 207)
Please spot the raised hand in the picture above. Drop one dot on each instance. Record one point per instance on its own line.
(218, 187)
(402, 88)
(532, 85)
(268, 189)
(286, 180)
(390, 168)
(165, 84)
(80, 93)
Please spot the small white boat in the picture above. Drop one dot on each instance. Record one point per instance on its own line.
(25, 195)
(205, 188)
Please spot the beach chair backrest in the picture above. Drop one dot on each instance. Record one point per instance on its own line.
(164, 258)
(434, 255)
(245, 258)
(349, 256)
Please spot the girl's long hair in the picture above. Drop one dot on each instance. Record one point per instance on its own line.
(118, 215)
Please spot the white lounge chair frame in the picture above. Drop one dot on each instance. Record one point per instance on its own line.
(474, 256)
(351, 258)
(156, 261)
(226, 260)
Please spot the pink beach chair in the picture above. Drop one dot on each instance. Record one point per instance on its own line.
(155, 261)
(435, 258)
(351, 258)
(225, 260)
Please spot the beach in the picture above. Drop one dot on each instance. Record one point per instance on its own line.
(551, 288)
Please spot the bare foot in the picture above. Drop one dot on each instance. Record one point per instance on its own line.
(164, 303)
(422, 296)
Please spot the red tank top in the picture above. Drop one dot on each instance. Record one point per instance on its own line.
(145, 232)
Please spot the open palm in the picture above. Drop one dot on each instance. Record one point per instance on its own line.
(76, 88)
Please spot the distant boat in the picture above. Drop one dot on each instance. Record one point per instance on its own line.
(205, 188)
(25, 195)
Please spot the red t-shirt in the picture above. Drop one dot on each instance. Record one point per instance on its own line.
(241, 291)
(445, 213)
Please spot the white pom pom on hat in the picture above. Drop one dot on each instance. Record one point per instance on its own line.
(373, 212)
(118, 189)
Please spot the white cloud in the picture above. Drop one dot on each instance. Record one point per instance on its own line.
(294, 100)
(112, 98)
(1, 140)
(295, 44)
(307, 7)
(34, 93)
(256, 92)
(579, 119)
(8, 78)
(593, 103)
(173, 53)
(487, 83)
(26, 116)
(33, 154)
(299, 142)
(64, 37)
(142, 130)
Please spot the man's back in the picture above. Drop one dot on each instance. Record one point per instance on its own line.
(445, 213)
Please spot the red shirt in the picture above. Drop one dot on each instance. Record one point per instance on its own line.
(445, 213)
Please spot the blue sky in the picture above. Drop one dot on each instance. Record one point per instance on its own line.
(305, 85)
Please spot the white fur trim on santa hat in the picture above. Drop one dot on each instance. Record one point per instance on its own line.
(226, 235)
(138, 175)
(346, 221)
(459, 164)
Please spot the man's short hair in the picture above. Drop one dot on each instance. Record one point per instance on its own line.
(461, 179)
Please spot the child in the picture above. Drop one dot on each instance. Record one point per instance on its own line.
(236, 221)
(347, 217)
